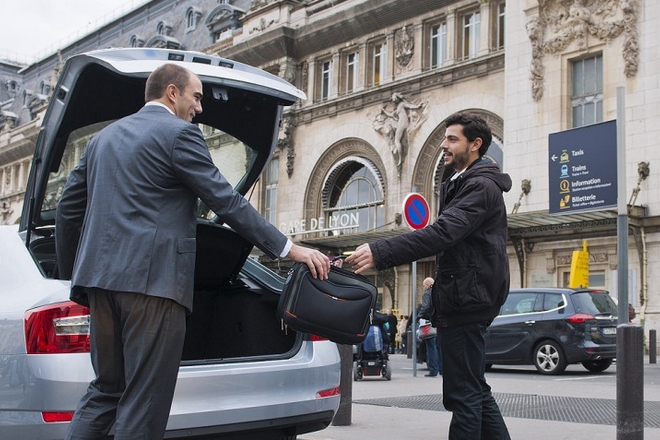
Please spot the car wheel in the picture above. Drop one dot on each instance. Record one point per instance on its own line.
(597, 366)
(357, 374)
(549, 358)
(387, 373)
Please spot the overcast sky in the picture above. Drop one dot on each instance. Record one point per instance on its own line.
(33, 29)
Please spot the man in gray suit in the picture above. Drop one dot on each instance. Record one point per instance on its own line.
(126, 236)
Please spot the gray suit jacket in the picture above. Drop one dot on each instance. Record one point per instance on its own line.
(126, 220)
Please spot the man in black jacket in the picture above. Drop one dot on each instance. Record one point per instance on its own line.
(469, 239)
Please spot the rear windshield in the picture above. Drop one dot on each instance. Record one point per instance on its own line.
(231, 156)
(594, 303)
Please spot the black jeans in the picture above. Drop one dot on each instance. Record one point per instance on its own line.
(466, 394)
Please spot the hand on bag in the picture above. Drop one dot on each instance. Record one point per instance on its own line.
(362, 259)
(318, 264)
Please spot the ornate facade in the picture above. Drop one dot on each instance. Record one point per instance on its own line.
(381, 76)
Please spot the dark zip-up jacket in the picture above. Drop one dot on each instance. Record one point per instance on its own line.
(469, 239)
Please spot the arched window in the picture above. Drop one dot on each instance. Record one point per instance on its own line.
(495, 152)
(12, 86)
(44, 87)
(136, 41)
(27, 94)
(193, 15)
(190, 19)
(353, 197)
(164, 28)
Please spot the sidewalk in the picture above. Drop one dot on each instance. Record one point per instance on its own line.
(377, 422)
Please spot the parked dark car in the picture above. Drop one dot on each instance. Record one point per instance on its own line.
(551, 328)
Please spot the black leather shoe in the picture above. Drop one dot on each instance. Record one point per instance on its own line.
(430, 375)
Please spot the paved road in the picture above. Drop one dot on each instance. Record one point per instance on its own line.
(577, 404)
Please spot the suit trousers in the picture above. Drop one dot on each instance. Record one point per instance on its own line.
(466, 394)
(136, 345)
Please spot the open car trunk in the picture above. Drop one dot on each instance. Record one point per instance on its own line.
(233, 314)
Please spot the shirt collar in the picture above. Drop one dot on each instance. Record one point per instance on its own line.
(455, 176)
(159, 104)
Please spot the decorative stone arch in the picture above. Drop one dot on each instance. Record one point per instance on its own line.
(224, 16)
(429, 173)
(136, 41)
(164, 28)
(335, 153)
(339, 166)
(163, 41)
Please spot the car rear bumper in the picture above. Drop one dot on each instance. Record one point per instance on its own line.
(591, 352)
(263, 429)
(283, 395)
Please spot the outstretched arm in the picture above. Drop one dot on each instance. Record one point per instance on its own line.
(362, 259)
(319, 264)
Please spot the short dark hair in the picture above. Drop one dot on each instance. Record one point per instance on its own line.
(474, 126)
(164, 76)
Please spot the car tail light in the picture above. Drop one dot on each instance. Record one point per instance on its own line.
(57, 417)
(316, 338)
(580, 318)
(57, 328)
(336, 391)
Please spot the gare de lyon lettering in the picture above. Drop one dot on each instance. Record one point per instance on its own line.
(348, 220)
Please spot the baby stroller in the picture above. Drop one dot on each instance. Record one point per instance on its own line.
(370, 358)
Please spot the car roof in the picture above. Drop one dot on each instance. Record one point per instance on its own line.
(563, 290)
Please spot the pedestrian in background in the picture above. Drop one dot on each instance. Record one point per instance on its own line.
(433, 360)
(469, 239)
(125, 235)
(392, 330)
(401, 333)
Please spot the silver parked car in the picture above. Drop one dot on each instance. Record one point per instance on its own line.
(242, 375)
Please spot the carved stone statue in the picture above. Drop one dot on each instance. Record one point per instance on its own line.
(5, 212)
(404, 46)
(397, 121)
(285, 143)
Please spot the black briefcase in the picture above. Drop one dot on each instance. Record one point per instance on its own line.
(339, 308)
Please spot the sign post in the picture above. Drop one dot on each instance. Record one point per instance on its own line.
(629, 337)
(417, 213)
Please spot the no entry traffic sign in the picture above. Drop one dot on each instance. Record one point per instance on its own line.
(416, 211)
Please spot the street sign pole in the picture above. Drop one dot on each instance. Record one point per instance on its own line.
(629, 337)
(417, 213)
(413, 326)
(622, 208)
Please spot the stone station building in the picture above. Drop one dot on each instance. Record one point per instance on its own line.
(381, 76)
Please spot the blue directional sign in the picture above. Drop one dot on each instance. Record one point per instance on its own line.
(416, 211)
(582, 172)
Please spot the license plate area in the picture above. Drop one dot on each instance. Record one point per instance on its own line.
(608, 330)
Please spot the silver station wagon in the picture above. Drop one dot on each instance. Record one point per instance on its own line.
(242, 375)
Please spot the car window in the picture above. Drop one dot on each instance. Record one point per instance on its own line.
(552, 301)
(232, 157)
(594, 303)
(522, 302)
